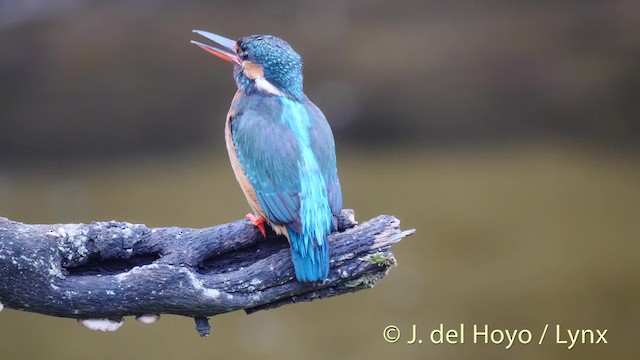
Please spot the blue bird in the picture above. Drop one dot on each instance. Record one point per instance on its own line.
(281, 148)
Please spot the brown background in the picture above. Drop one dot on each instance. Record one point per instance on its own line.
(506, 134)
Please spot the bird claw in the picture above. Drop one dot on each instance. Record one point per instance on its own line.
(258, 221)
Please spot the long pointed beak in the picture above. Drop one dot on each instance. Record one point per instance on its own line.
(228, 51)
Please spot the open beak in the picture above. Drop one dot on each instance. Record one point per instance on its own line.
(226, 52)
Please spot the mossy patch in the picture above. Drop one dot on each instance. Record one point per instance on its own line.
(380, 259)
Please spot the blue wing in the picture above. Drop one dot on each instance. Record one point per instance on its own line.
(287, 152)
(269, 155)
(324, 148)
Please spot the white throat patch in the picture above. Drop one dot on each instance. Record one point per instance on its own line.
(264, 85)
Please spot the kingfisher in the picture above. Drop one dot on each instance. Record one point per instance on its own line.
(281, 148)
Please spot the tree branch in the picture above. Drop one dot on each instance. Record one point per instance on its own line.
(113, 269)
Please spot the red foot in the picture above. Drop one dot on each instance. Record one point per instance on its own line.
(258, 222)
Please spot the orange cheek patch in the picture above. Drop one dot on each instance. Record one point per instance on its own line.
(252, 70)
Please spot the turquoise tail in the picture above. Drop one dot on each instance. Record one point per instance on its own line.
(310, 257)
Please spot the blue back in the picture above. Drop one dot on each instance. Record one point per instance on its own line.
(287, 151)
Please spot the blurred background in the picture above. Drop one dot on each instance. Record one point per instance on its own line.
(506, 134)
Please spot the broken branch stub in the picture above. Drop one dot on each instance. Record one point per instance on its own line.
(107, 270)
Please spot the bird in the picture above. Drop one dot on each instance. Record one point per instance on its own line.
(281, 148)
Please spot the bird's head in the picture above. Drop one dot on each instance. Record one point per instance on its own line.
(263, 62)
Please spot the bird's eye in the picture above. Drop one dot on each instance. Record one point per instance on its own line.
(242, 53)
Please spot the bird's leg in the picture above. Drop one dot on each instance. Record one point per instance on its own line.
(258, 221)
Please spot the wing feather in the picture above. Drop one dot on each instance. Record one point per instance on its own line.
(270, 156)
(324, 148)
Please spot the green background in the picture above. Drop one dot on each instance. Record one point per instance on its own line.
(506, 135)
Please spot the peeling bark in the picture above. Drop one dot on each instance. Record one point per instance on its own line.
(114, 269)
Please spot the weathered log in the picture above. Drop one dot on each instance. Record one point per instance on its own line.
(114, 269)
